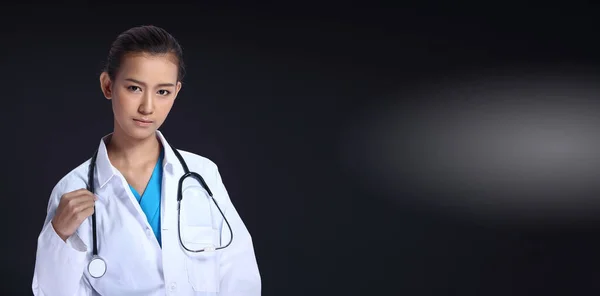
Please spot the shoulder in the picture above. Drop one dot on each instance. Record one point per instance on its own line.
(205, 167)
(198, 162)
(75, 179)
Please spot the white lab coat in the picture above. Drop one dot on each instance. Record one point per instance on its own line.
(136, 264)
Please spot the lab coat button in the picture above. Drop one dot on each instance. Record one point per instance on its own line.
(173, 287)
(148, 232)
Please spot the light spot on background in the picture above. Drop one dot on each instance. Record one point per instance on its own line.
(522, 147)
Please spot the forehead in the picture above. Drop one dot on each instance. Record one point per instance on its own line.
(149, 68)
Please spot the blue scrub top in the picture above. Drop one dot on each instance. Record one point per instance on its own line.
(150, 200)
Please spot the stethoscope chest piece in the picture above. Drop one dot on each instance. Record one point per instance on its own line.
(97, 267)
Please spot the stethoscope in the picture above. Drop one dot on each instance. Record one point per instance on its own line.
(97, 266)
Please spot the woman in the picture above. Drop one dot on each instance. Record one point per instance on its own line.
(130, 209)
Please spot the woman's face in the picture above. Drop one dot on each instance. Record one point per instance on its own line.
(142, 93)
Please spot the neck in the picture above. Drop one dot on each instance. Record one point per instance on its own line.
(126, 152)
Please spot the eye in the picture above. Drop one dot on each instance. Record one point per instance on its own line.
(134, 88)
(164, 92)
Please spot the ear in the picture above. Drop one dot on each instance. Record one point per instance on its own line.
(106, 85)
(178, 88)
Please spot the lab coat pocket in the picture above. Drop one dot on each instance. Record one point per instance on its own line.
(203, 267)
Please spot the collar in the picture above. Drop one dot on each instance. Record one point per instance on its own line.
(106, 171)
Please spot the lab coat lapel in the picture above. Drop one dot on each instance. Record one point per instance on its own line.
(171, 172)
(150, 203)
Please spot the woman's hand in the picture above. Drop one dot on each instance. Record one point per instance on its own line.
(74, 207)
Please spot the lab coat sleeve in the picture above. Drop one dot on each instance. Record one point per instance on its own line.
(239, 268)
(59, 265)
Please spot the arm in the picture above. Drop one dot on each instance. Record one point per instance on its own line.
(239, 269)
(59, 264)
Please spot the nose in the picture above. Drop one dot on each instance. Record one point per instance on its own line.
(147, 105)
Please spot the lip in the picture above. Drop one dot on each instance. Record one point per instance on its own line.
(142, 122)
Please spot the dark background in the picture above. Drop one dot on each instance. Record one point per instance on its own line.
(270, 94)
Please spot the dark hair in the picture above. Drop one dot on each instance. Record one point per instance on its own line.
(143, 39)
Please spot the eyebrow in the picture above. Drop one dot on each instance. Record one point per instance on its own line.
(142, 83)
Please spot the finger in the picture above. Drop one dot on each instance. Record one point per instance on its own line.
(85, 213)
(82, 195)
(77, 201)
(75, 193)
(82, 202)
(76, 196)
(80, 216)
(83, 206)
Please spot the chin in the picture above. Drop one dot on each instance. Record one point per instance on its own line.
(141, 133)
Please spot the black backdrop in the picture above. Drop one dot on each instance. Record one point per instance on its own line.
(270, 95)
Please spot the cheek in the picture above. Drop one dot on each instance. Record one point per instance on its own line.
(119, 106)
(165, 107)
(123, 102)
